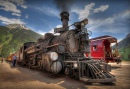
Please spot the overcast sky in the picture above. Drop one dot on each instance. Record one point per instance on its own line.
(106, 17)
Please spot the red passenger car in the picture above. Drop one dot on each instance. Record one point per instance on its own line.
(101, 49)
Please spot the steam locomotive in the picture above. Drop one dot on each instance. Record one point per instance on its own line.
(64, 53)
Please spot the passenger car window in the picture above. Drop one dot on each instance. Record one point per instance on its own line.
(94, 47)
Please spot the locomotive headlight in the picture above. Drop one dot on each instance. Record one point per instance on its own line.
(81, 23)
(75, 64)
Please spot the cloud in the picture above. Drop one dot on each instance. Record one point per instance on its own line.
(58, 26)
(51, 31)
(26, 16)
(8, 6)
(101, 8)
(6, 20)
(19, 3)
(95, 23)
(23, 6)
(118, 40)
(41, 32)
(125, 14)
(16, 14)
(88, 9)
(84, 12)
(47, 10)
(118, 23)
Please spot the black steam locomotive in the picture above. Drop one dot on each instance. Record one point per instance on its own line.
(64, 53)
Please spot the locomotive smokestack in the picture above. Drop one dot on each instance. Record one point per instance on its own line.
(64, 19)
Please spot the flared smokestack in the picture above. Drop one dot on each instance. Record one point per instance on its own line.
(64, 19)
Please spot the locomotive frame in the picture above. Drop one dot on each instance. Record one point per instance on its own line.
(65, 54)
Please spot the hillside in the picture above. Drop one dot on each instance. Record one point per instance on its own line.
(12, 37)
(125, 42)
(124, 47)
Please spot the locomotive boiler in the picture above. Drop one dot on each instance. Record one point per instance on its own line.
(64, 53)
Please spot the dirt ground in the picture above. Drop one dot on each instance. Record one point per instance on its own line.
(24, 78)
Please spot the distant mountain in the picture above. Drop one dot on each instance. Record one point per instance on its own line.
(20, 26)
(124, 47)
(125, 42)
(13, 36)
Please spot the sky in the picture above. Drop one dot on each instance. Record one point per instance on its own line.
(105, 17)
